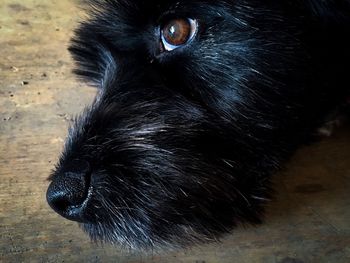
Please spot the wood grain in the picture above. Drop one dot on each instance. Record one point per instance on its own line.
(308, 222)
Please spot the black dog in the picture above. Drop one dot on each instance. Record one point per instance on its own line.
(199, 103)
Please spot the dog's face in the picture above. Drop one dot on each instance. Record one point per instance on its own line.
(198, 103)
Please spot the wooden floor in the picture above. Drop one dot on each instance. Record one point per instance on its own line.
(308, 222)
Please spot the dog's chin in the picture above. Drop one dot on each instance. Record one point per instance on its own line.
(107, 221)
(117, 232)
(125, 234)
(132, 237)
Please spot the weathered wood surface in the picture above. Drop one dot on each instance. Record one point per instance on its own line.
(308, 222)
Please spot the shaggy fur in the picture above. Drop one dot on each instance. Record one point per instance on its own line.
(178, 147)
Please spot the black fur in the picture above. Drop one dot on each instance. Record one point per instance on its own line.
(181, 145)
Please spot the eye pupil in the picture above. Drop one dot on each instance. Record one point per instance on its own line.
(177, 32)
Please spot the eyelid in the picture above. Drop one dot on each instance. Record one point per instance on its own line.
(194, 30)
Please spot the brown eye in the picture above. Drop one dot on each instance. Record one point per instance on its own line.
(178, 32)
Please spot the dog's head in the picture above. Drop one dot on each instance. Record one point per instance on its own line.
(198, 103)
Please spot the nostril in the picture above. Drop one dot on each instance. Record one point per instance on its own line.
(59, 203)
(68, 192)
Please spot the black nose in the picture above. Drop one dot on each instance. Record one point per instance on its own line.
(68, 191)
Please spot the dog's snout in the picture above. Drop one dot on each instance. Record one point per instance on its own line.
(68, 191)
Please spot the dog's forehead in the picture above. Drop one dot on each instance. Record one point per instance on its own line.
(152, 7)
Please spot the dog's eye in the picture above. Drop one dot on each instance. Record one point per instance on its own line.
(178, 32)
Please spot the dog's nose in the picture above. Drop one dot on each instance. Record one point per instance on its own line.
(68, 191)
